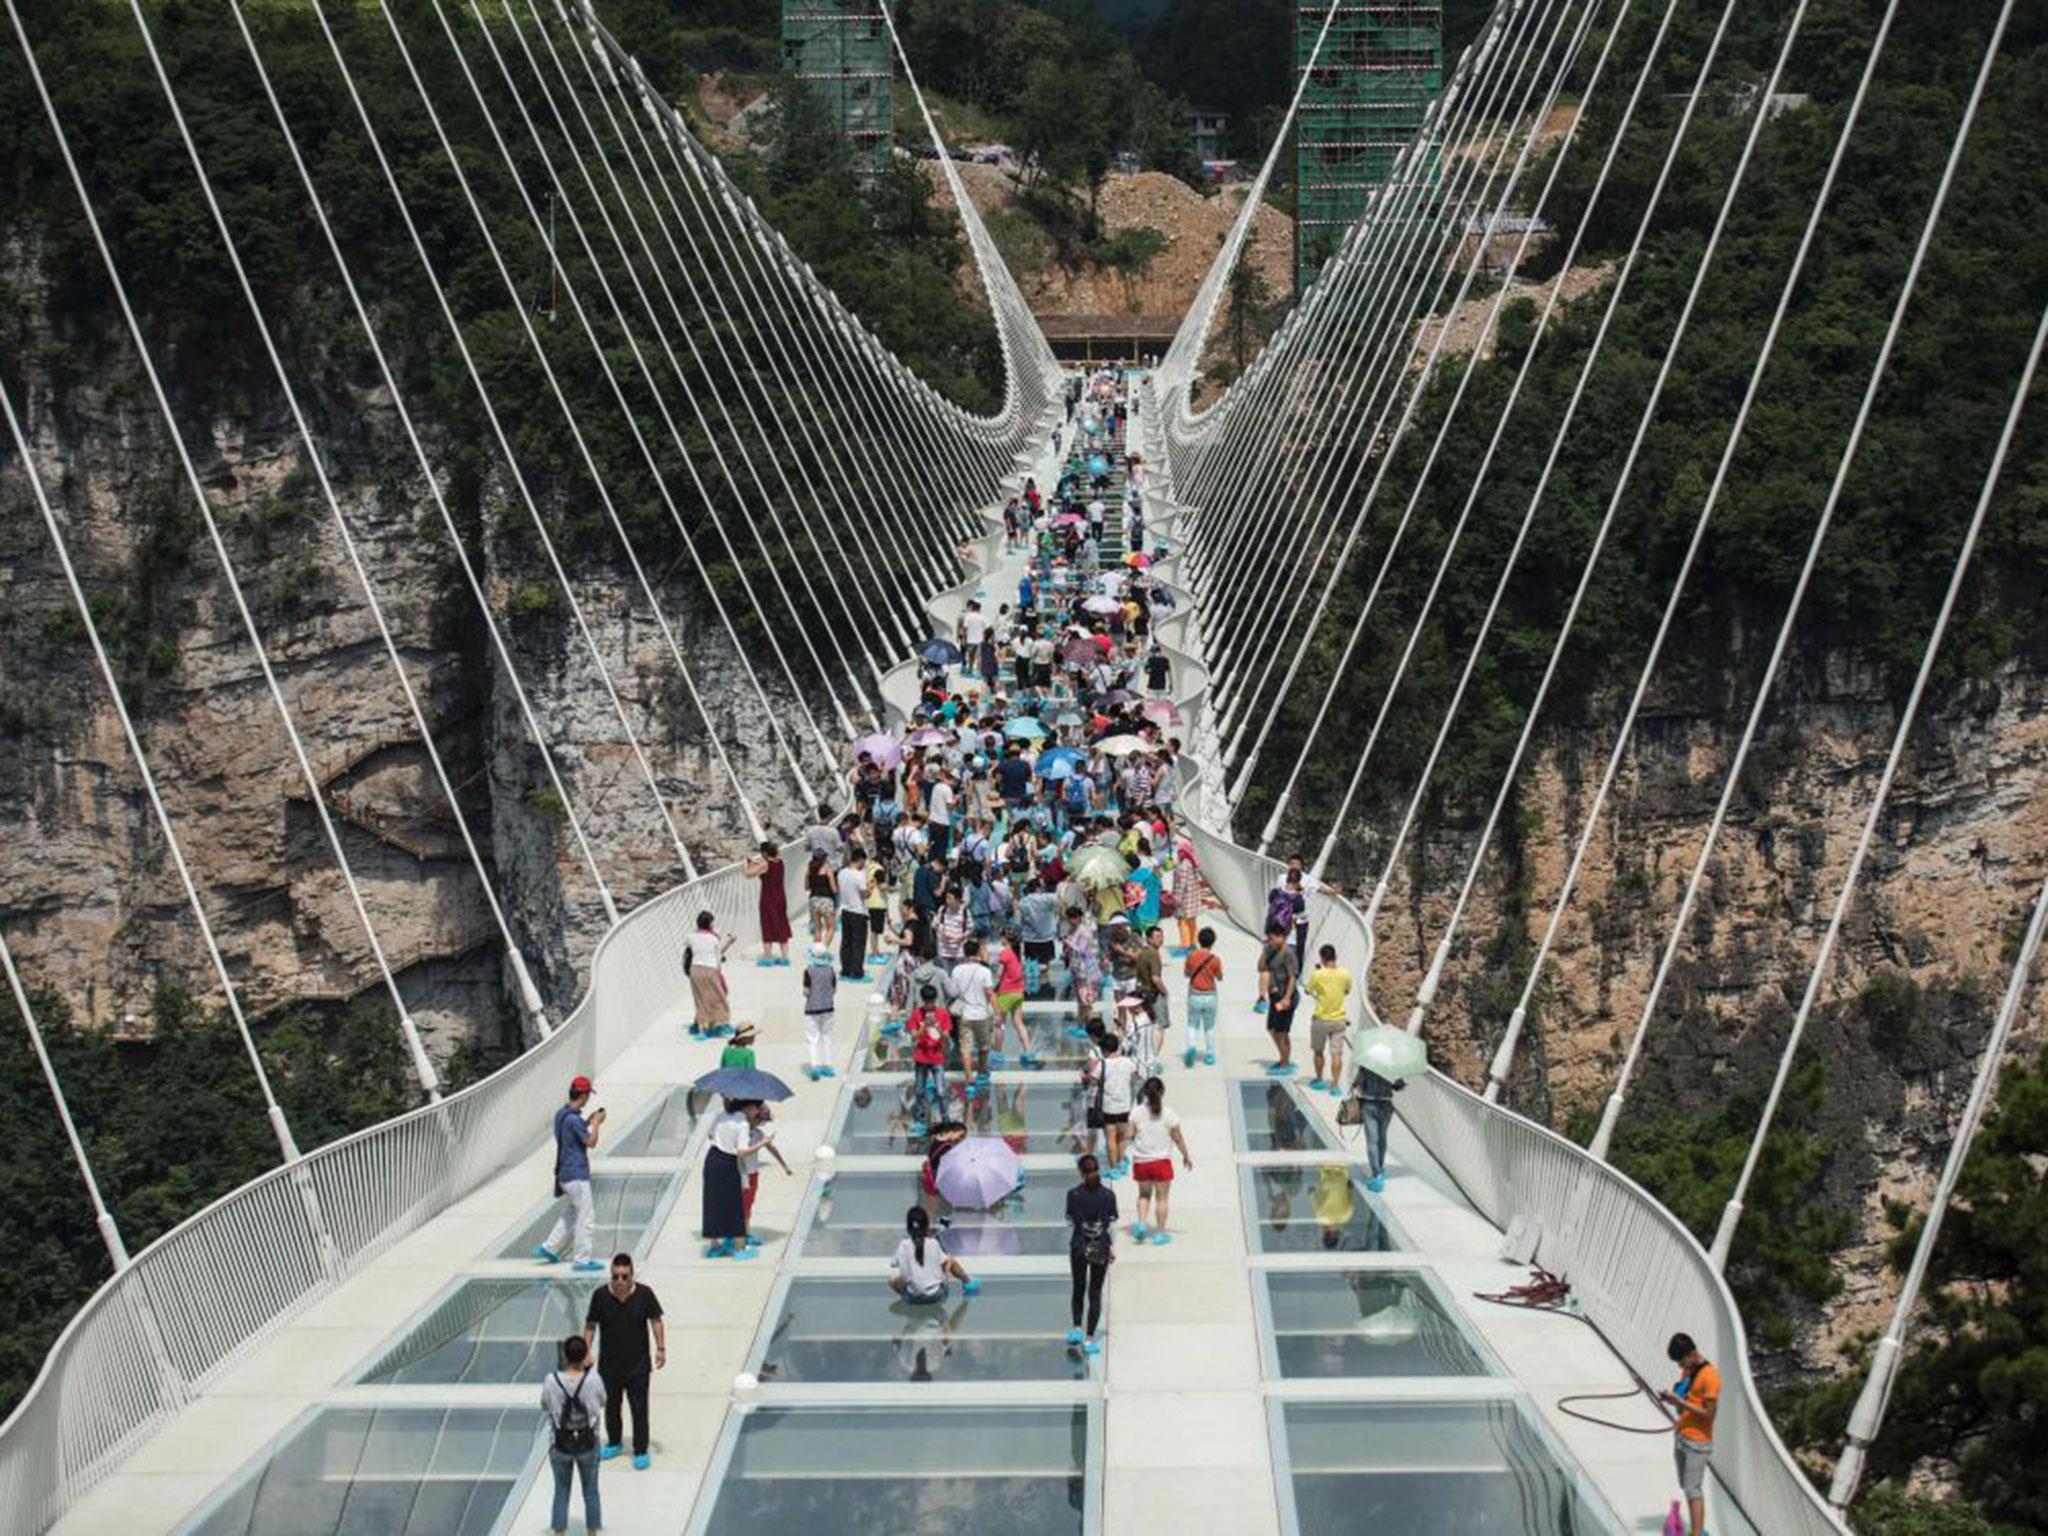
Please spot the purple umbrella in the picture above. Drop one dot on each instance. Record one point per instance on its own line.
(884, 751)
(979, 1172)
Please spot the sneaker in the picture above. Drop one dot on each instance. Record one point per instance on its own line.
(1073, 1336)
(1092, 1347)
(1161, 1239)
(744, 1253)
(1283, 1069)
(696, 1031)
(1316, 1085)
(722, 1249)
(610, 1452)
(751, 1241)
(917, 1128)
(811, 1073)
(640, 1461)
(586, 1267)
(828, 1071)
(546, 1254)
(764, 963)
(1187, 1057)
(1208, 1058)
(1336, 1090)
(1029, 1062)
(997, 1060)
(970, 1287)
(1138, 1231)
(1377, 1183)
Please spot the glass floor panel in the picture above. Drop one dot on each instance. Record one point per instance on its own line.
(1315, 1209)
(663, 1128)
(1009, 1471)
(394, 1471)
(626, 1206)
(1273, 1117)
(862, 1216)
(1424, 1468)
(857, 1330)
(1049, 1116)
(1366, 1322)
(487, 1331)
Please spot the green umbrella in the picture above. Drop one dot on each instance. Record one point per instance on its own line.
(1097, 865)
(1393, 1053)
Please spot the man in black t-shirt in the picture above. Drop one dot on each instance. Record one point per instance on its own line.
(619, 1318)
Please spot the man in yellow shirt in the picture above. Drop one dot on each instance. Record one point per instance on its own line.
(1330, 985)
(1696, 1399)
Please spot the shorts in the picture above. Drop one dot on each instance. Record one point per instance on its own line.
(1009, 1002)
(1279, 1021)
(983, 1033)
(1116, 1117)
(1692, 1457)
(1041, 950)
(1322, 1031)
(822, 908)
(925, 1298)
(1153, 1171)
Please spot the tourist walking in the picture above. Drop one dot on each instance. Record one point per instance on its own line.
(704, 960)
(930, 1028)
(1278, 975)
(1091, 1219)
(1009, 1000)
(766, 867)
(821, 897)
(972, 986)
(737, 1139)
(852, 895)
(821, 999)
(1155, 1135)
(1376, 1095)
(1117, 1078)
(621, 1315)
(1203, 969)
(575, 1136)
(573, 1398)
(1329, 986)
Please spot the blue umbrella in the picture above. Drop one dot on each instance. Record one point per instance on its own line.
(1025, 728)
(1057, 769)
(940, 653)
(1067, 755)
(743, 1083)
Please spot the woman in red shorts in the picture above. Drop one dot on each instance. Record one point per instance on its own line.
(1155, 1134)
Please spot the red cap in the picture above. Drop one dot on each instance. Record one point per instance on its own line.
(580, 1085)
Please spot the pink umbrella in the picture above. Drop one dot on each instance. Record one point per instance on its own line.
(884, 751)
(1069, 520)
(1161, 712)
(927, 736)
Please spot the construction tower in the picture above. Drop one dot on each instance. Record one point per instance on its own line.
(840, 49)
(1379, 69)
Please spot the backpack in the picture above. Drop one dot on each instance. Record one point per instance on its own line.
(575, 1433)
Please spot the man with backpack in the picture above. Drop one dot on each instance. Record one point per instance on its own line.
(573, 1398)
(575, 1136)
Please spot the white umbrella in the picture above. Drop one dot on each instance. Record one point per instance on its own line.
(1392, 1053)
(1121, 746)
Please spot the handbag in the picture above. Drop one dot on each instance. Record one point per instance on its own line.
(1351, 1111)
(1094, 1117)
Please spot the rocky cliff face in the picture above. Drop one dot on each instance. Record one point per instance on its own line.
(92, 906)
(1961, 851)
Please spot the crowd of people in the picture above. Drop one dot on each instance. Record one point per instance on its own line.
(1017, 840)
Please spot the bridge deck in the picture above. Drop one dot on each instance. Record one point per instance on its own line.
(1281, 1261)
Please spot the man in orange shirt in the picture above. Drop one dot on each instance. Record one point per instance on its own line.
(1697, 1398)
